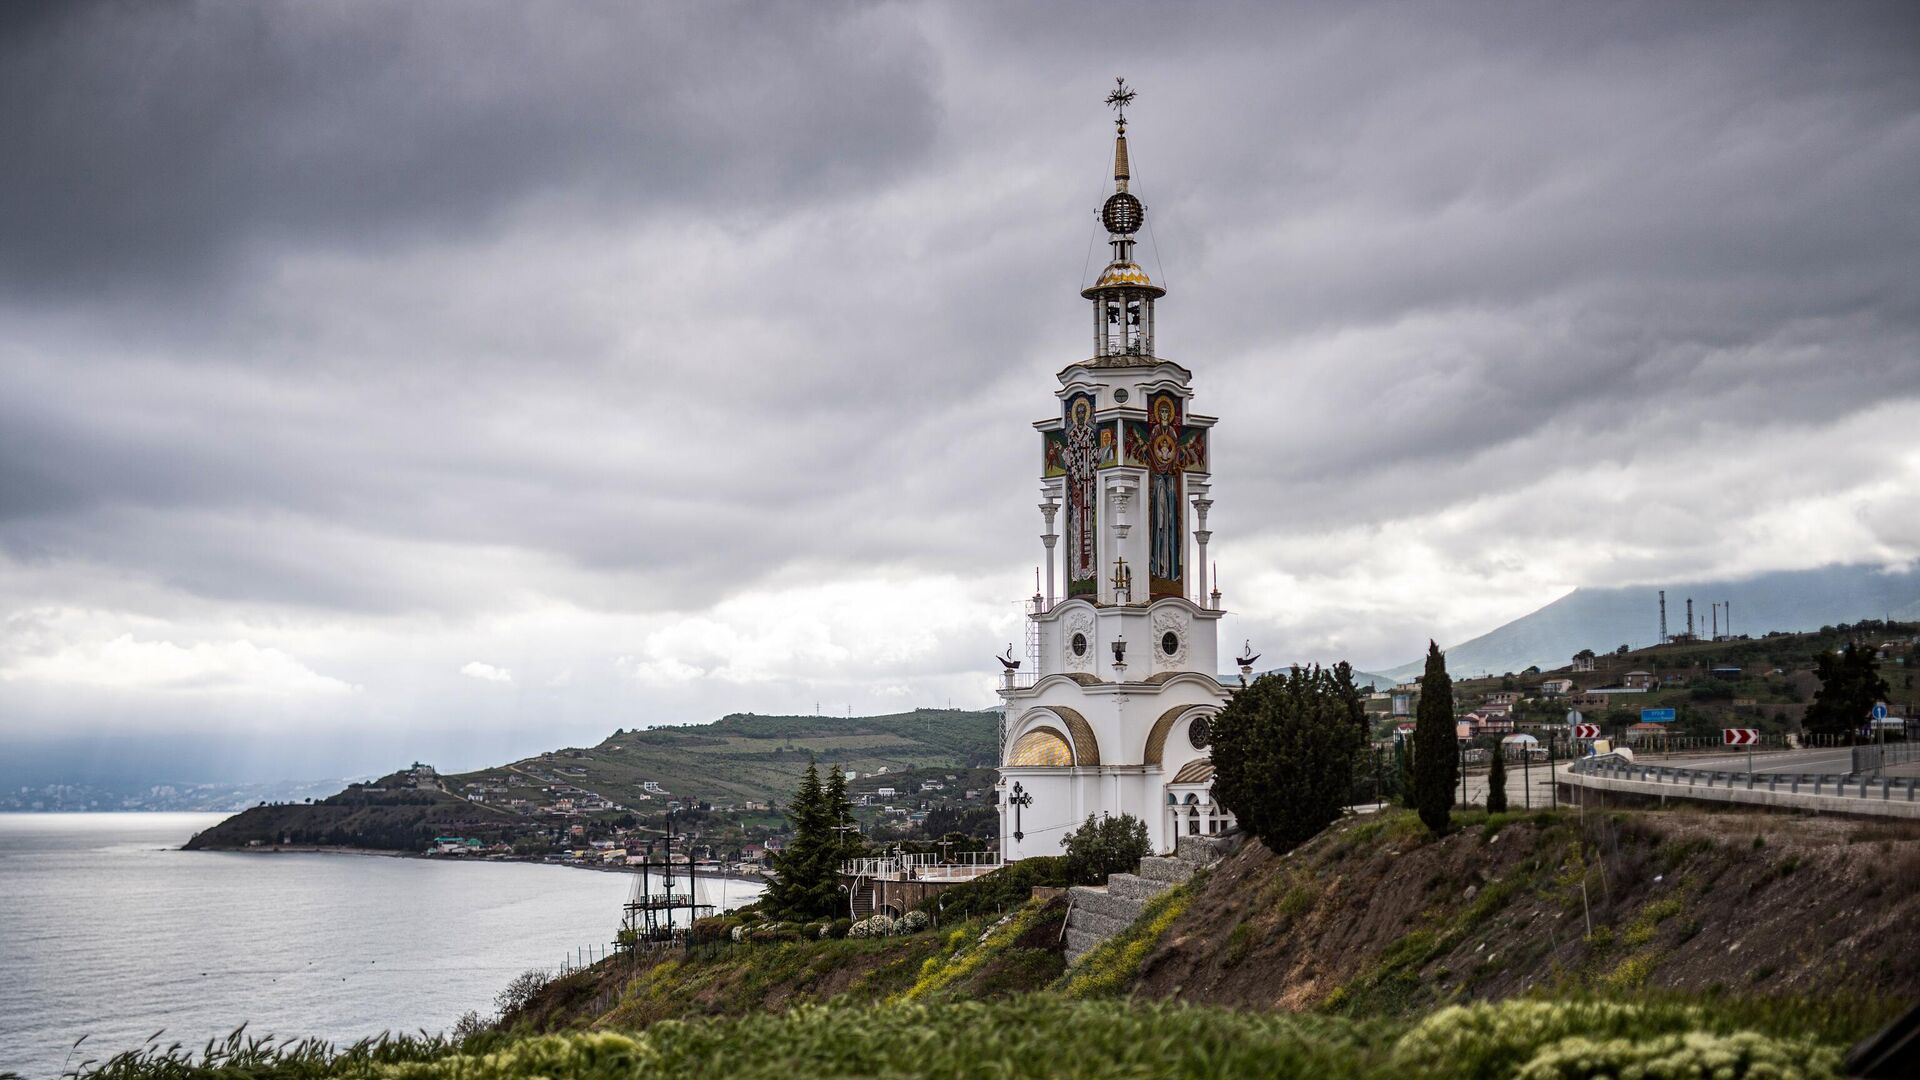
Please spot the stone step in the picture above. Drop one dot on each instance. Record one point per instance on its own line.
(1079, 942)
(1161, 868)
(1135, 887)
(1202, 850)
(1095, 923)
(1103, 902)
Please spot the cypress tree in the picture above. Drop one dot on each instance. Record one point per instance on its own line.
(1436, 758)
(1403, 770)
(1497, 781)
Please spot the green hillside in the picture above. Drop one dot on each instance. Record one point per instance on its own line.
(728, 777)
(747, 758)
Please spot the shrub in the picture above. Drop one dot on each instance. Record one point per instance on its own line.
(521, 990)
(712, 929)
(1696, 1053)
(1547, 1040)
(914, 921)
(838, 928)
(1110, 845)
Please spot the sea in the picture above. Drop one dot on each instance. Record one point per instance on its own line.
(110, 932)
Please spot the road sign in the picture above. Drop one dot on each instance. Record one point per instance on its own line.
(1880, 710)
(1574, 717)
(1740, 736)
(1656, 716)
(1586, 731)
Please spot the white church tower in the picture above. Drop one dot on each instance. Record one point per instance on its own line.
(1113, 715)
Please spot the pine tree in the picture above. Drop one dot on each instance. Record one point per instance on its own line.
(1497, 781)
(807, 885)
(1436, 759)
(846, 834)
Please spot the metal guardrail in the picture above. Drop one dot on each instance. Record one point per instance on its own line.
(1873, 757)
(1847, 785)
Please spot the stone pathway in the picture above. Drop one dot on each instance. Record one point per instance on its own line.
(1101, 911)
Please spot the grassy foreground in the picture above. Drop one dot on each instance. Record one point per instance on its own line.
(1049, 1035)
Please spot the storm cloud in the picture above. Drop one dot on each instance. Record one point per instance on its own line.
(476, 378)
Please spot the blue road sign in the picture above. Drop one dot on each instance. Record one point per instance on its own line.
(1880, 711)
(1656, 716)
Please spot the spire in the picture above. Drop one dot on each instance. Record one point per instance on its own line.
(1122, 213)
(1121, 97)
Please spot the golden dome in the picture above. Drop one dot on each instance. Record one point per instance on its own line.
(1123, 275)
(1041, 747)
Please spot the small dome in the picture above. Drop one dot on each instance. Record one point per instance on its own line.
(1122, 213)
(1123, 275)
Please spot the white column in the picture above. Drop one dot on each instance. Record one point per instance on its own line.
(1047, 510)
(1201, 534)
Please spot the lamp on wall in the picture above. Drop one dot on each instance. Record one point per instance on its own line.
(1120, 654)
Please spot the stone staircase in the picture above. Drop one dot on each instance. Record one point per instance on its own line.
(1100, 911)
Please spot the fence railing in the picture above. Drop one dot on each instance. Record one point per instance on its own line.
(958, 866)
(1847, 785)
(1873, 757)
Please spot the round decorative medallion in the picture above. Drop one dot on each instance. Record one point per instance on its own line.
(1170, 650)
(1120, 394)
(1200, 733)
(1079, 644)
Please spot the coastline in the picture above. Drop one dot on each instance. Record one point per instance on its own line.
(679, 869)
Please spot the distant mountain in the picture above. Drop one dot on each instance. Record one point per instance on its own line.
(71, 798)
(1604, 619)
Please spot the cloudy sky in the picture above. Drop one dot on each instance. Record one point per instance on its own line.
(382, 380)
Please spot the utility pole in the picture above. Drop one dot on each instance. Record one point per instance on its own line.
(1663, 616)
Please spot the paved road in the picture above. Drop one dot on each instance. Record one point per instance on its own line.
(1823, 760)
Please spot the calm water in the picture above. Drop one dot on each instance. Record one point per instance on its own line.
(106, 929)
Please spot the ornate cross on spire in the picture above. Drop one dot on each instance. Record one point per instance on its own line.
(1118, 100)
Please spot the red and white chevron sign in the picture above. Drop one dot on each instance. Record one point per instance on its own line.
(1740, 736)
(1586, 731)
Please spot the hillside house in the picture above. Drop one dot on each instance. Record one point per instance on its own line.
(1638, 680)
(1640, 733)
(1556, 687)
(1583, 663)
